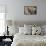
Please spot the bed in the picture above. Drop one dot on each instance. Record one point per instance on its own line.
(24, 38)
(29, 40)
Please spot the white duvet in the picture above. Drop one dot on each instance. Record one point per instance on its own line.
(29, 40)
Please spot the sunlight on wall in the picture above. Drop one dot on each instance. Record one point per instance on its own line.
(2, 23)
(2, 19)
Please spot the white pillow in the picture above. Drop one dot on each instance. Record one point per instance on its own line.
(13, 30)
(36, 30)
(23, 30)
(28, 26)
(44, 27)
(42, 30)
(28, 31)
(33, 30)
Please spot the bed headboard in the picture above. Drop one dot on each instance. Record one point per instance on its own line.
(21, 23)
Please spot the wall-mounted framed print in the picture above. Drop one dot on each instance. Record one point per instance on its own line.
(30, 10)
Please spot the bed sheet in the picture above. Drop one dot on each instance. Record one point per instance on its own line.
(28, 40)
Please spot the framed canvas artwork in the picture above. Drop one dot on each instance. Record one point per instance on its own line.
(30, 10)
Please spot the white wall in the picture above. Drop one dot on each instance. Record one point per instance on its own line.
(41, 11)
(15, 9)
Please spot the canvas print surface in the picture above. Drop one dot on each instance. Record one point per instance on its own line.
(30, 10)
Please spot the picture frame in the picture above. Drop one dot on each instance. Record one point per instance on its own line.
(30, 10)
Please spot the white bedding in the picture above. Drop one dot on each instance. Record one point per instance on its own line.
(29, 40)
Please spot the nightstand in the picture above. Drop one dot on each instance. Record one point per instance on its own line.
(6, 40)
(6, 43)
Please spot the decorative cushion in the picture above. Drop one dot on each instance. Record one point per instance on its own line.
(44, 26)
(36, 30)
(13, 30)
(23, 30)
(28, 26)
(28, 31)
(44, 29)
